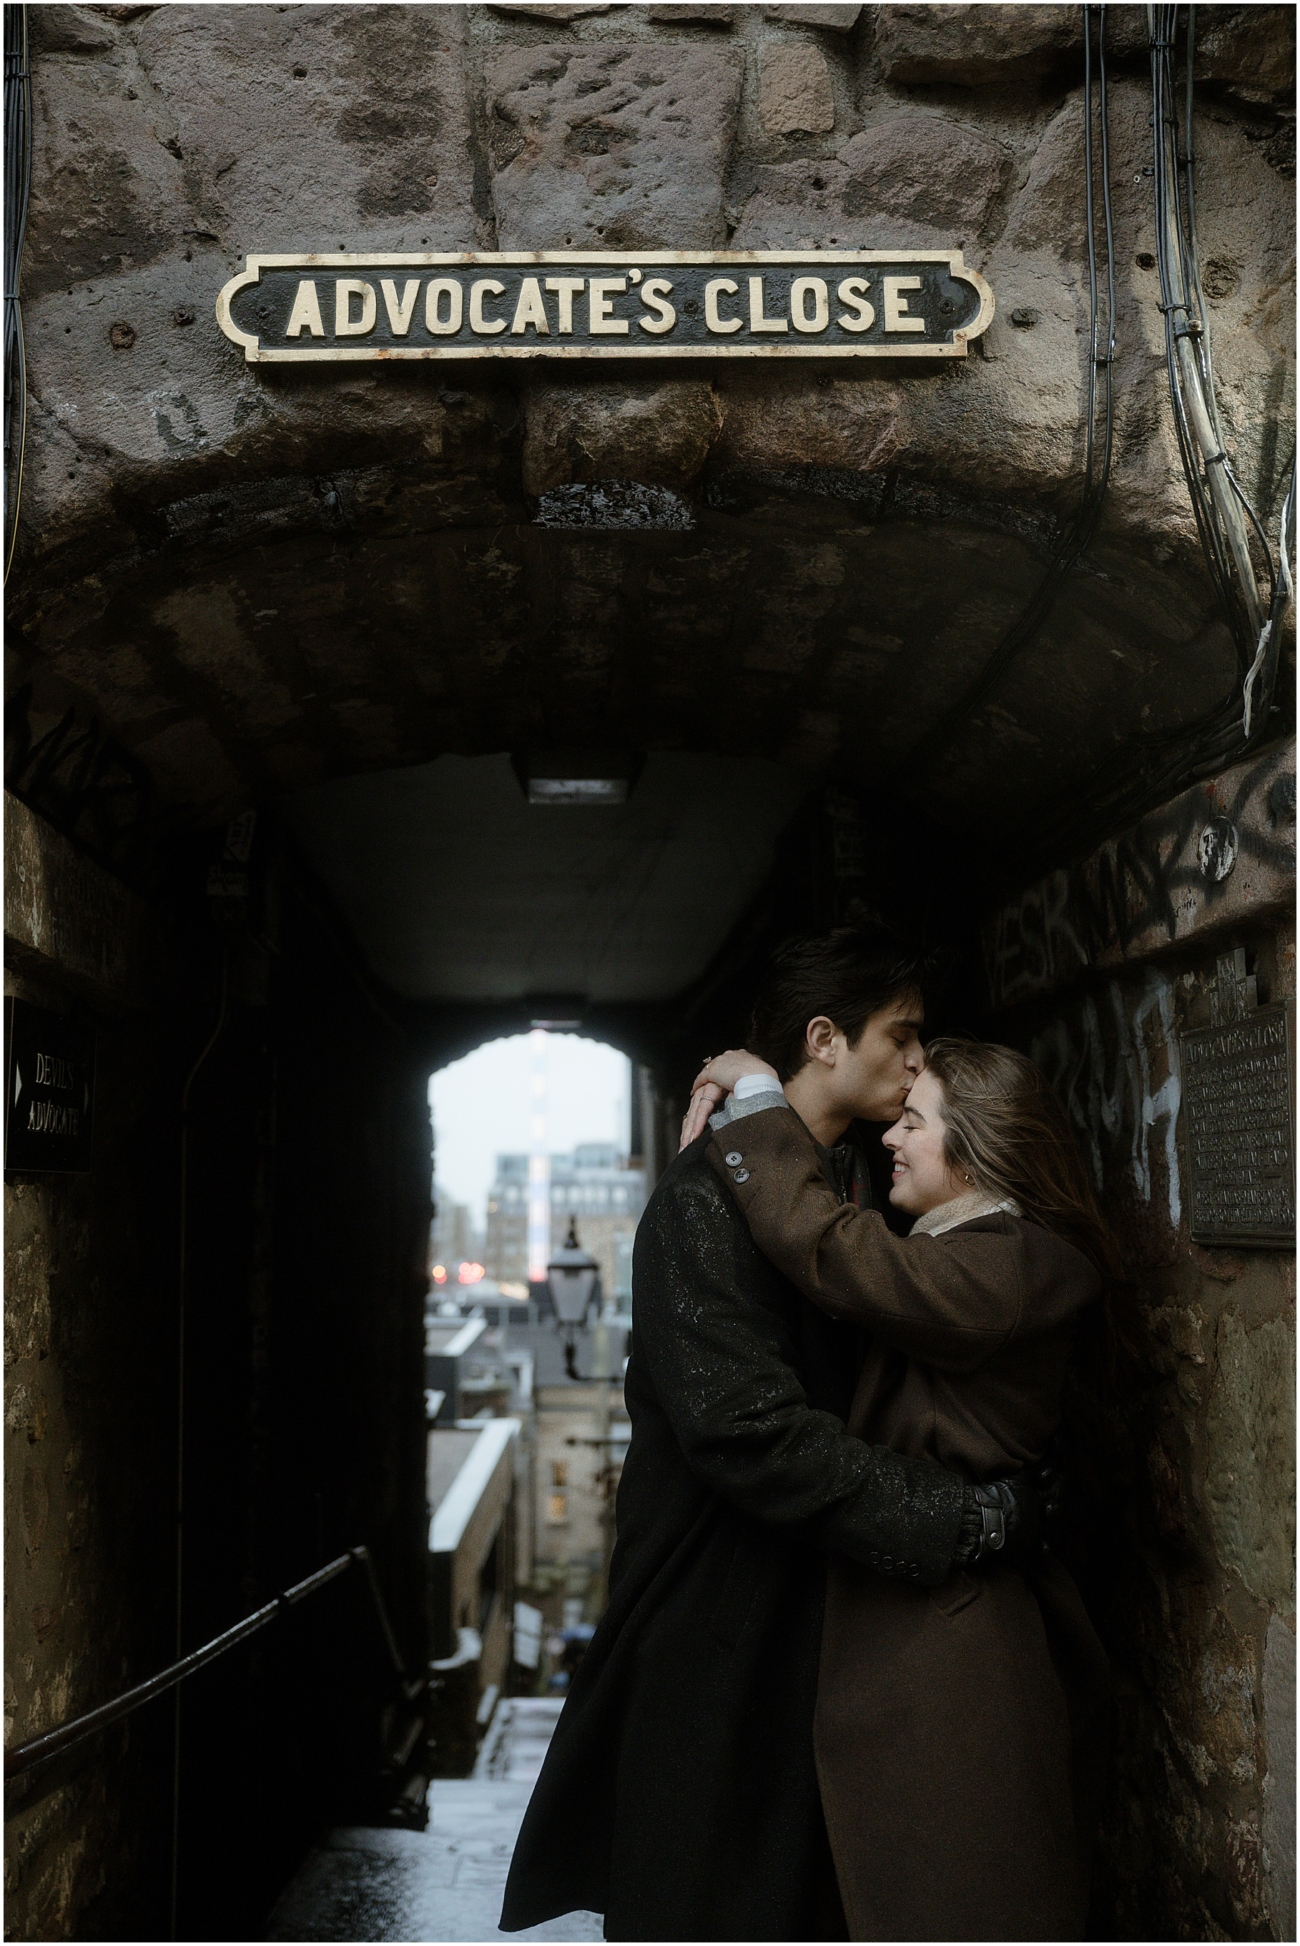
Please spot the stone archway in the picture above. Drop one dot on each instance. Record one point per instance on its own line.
(303, 593)
(263, 579)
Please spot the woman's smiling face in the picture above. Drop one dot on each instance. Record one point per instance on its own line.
(923, 1177)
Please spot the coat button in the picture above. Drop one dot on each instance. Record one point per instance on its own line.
(914, 1568)
(887, 1563)
(741, 1175)
(734, 1160)
(874, 1560)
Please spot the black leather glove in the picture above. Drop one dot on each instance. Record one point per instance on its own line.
(1009, 1520)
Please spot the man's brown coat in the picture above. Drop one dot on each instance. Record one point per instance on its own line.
(956, 1726)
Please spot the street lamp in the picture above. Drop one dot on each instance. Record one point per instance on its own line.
(573, 1277)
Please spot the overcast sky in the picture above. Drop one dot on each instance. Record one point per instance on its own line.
(481, 1107)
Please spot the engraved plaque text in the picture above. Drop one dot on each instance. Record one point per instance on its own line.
(1238, 1123)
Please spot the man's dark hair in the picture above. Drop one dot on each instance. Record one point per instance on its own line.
(848, 975)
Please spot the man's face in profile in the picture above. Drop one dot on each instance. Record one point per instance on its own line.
(880, 1069)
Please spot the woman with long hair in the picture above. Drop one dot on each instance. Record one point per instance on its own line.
(956, 1727)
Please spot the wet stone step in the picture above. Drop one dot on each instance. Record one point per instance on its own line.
(444, 1883)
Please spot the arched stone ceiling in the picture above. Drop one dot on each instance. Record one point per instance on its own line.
(266, 580)
(289, 630)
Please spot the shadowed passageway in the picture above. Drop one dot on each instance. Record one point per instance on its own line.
(363, 713)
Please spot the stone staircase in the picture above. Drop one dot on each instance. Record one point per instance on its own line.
(443, 1883)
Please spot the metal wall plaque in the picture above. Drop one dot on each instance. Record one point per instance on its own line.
(605, 304)
(1238, 1121)
(49, 1090)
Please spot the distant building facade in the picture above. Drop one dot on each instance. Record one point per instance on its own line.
(454, 1237)
(582, 1438)
(472, 1483)
(596, 1185)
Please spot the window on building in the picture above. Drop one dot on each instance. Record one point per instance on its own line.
(557, 1509)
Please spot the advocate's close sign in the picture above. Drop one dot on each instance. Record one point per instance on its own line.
(606, 304)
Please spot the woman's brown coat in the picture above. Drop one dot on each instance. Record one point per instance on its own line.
(956, 1727)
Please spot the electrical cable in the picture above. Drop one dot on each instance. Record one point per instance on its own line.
(1217, 496)
(1283, 594)
(1224, 517)
(18, 181)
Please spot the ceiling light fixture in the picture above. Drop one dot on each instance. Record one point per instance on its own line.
(558, 1013)
(591, 777)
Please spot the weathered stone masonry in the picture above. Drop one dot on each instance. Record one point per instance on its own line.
(257, 581)
(307, 1206)
(1187, 1434)
(859, 539)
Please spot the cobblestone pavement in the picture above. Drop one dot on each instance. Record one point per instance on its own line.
(444, 1883)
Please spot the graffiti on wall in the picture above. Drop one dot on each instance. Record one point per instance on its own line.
(1113, 1061)
(1220, 853)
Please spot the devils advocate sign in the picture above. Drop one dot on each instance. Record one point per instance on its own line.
(603, 304)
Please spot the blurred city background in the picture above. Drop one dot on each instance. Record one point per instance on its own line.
(539, 1182)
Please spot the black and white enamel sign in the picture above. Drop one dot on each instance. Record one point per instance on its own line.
(49, 1090)
(605, 304)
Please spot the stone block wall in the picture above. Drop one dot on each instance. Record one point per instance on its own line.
(261, 580)
(172, 140)
(89, 1404)
(306, 1216)
(1181, 1430)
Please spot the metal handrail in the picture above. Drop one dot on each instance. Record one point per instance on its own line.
(55, 1742)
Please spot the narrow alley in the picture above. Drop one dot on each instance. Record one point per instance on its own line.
(514, 514)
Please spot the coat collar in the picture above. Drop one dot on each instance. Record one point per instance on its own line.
(845, 1169)
(962, 1209)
